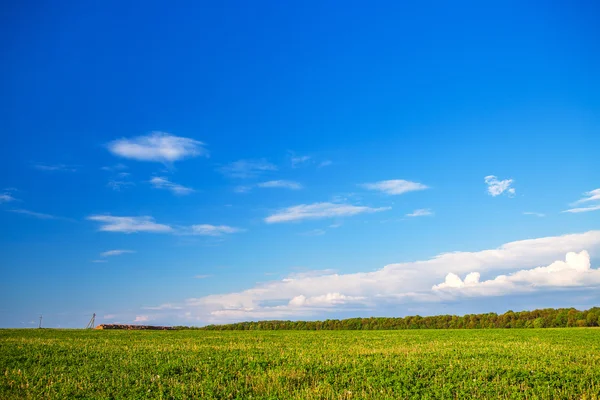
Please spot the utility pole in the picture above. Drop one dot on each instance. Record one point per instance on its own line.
(92, 322)
(40, 325)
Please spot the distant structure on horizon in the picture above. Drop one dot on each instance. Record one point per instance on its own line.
(135, 327)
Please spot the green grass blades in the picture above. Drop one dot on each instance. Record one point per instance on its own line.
(420, 364)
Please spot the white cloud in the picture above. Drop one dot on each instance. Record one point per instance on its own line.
(118, 185)
(319, 210)
(593, 195)
(280, 184)
(583, 209)
(575, 271)
(114, 168)
(34, 214)
(325, 163)
(5, 198)
(99, 261)
(314, 232)
(213, 230)
(158, 147)
(395, 186)
(247, 168)
(142, 318)
(129, 224)
(299, 160)
(111, 253)
(163, 183)
(497, 187)
(537, 214)
(410, 282)
(421, 212)
(325, 300)
(55, 167)
(202, 276)
(242, 189)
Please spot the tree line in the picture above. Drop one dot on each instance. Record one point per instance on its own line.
(543, 318)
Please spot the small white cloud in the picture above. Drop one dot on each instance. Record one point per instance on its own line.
(583, 209)
(242, 189)
(537, 214)
(6, 197)
(114, 168)
(129, 224)
(319, 210)
(163, 183)
(497, 187)
(99, 261)
(247, 168)
(157, 147)
(422, 212)
(117, 185)
(142, 318)
(325, 163)
(280, 184)
(202, 276)
(314, 232)
(299, 160)
(593, 195)
(55, 167)
(394, 186)
(213, 230)
(112, 253)
(34, 214)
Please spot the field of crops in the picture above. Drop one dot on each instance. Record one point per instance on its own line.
(416, 364)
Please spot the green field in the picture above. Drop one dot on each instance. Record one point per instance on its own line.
(415, 364)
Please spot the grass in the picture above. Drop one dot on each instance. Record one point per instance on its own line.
(419, 364)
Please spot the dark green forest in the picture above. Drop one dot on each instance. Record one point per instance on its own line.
(544, 318)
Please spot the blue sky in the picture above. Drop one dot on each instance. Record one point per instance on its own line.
(212, 162)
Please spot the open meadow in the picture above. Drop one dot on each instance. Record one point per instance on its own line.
(411, 364)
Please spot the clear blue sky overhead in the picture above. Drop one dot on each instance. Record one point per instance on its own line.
(205, 162)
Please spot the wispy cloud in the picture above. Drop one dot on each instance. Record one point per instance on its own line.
(583, 209)
(35, 214)
(591, 196)
(297, 161)
(157, 147)
(118, 185)
(114, 168)
(319, 210)
(141, 318)
(314, 232)
(496, 187)
(112, 253)
(55, 167)
(280, 184)
(110, 223)
(394, 186)
(537, 214)
(6, 198)
(202, 276)
(422, 212)
(242, 189)
(99, 261)
(159, 182)
(247, 168)
(325, 163)
(213, 230)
